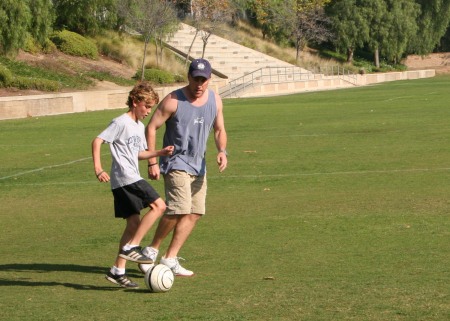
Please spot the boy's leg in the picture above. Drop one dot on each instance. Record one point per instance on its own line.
(157, 209)
(119, 265)
(130, 229)
(132, 251)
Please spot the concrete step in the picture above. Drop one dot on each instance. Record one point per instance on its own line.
(230, 59)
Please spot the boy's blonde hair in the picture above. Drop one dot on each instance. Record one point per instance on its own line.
(142, 91)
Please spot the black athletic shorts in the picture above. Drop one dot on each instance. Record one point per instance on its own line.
(131, 199)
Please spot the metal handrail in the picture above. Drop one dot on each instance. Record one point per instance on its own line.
(338, 72)
(268, 75)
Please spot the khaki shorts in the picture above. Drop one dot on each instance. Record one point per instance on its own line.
(185, 193)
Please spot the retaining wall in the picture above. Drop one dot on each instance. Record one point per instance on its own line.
(76, 102)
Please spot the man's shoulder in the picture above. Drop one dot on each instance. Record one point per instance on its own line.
(170, 102)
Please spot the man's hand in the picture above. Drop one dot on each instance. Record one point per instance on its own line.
(222, 160)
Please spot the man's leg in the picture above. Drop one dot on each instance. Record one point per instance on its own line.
(183, 229)
(166, 225)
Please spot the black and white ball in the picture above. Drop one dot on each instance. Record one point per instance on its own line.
(159, 278)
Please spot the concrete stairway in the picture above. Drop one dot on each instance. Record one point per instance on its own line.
(230, 60)
(237, 69)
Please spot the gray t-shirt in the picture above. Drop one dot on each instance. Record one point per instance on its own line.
(188, 130)
(126, 138)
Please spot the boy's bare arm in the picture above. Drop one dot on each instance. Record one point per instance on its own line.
(147, 154)
(102, 176)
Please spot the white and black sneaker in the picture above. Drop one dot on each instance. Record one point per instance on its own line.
(135, 255)
(151, 253)
(174, 264)
(121, 280)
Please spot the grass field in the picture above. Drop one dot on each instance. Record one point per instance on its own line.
(335, 206)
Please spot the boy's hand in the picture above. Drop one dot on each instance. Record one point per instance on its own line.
(102, 176)
(167, 151)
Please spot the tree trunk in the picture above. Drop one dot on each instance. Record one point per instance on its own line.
(350, 54)
(161, 48)
(297, 49)
(143, 59)
(205, 38)
(190, 48)
(377, 58)
(156, 51)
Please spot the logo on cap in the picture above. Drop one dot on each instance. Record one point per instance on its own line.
(200, 68)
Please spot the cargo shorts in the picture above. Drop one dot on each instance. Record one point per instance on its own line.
(185, 193)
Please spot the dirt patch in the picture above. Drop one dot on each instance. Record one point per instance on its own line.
(438, 61)
(72, 65)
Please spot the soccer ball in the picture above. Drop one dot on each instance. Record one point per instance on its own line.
(159, 278)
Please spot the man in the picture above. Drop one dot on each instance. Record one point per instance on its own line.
(189, 114)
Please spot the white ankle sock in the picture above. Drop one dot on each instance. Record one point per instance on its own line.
(117, 271)
(128, 247)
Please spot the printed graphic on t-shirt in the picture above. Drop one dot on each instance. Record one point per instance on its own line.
(134, 143)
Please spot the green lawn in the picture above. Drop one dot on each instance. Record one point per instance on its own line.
(335, 206)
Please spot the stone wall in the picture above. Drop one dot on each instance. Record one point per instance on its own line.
(76, 102)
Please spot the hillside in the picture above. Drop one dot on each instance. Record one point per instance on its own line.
(71, 65)
(75, 65)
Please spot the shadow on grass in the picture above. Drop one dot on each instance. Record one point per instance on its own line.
(46, 268)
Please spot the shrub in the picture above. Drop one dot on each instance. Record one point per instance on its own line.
(156, 76)
(101, 75)
(35, 83)
(31, 45)
(180, 78)
(49, 47)
(74, 44)
(6, 76)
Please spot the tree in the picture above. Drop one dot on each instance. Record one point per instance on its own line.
(208, 15)
(86, 17)
(264, 10)
(401, 19)
(432, 23)
(376, 15)
(304, 21)
(42, 18)
(14, 21)
(150, 18)
(239, 8)
(350, 28)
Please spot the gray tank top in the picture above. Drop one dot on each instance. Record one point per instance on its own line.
(188, 130)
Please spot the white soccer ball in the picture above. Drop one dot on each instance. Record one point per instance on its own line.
(159, 278)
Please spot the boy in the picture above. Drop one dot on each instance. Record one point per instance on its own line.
(126, 138)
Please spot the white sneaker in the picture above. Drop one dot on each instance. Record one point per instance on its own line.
(175, 266)
(151, 253)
